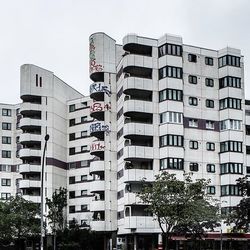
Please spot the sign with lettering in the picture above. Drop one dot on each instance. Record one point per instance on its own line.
(99, 106)
(99, 127)
(99, 87)
(97, 146)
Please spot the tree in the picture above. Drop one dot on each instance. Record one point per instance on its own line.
(18, 220)
(56, 207)
(180, 206)
(240, 215)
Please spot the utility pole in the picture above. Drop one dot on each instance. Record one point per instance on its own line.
(46, 138)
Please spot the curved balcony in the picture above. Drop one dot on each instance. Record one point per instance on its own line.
(136, 85)
(27, 106)
(97, 205)
(137, 175)
(131, 198)
(140, 65)
(138, 108)
(97, 225)
(97, 186)
(98, 90)
(138, 152)
(29, 122)
(137, 129)
(97, 148)
(97, 110)
(27, 137)
(27, 152)
(96, 167)
(35, 199)
(29, 184)
(98, 128)
(26, 168)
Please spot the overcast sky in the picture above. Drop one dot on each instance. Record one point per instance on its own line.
(54, 34)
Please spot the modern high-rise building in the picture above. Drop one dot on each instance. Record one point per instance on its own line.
(155, 105)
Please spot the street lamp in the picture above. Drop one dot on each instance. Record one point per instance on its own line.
(46, 138)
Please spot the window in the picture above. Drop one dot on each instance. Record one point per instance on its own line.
(72, 194)
(171, 140)
(119, 134)
(72, 151)
(231, 146)
(72, 107)
(120, 152)
(6, 112)
(194, 167)
(84, 119)
(36, 80)
(119, 113)
(233, 190)
(84, 163)
(72, 165)
(84, 133)
(72, 209)
(171, 117)
(229, 60)
(170, 49)
(170, 71)
(210, 146)
(84, 208)
(171, 94)
(84, 148)
(5, 168)
(172, 163)
(5, 196)
(6, 182)
(210, 168)
(231, 168)
(6, 140)
(248, 170)
(84, 192)
(230, 81)
(72, 122)
(84, 177)
(71, 179)
(193, 101)
(210, 125)
(192, 58)
(193, 144)
(192, 79)
(193, 123)
(230, 124)
(209, 61)
(211, 190)
(6, 126)
(230, 103)
(6, 154)
(72, 136)
(40, 81)
(209, 103)
(209, 82)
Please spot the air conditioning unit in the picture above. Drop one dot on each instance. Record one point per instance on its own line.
(128, 165)
(126, 97)
(127, 142)
(126, 75)
(127, 119)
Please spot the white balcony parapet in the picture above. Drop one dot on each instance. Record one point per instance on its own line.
(97, 205)
(96, 166)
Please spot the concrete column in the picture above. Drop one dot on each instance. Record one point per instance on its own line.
(135, 242)
(160, 245)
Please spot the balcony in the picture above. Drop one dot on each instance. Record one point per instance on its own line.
(25, 107)
(97, 148)
(29, 184)
(96, 167)
(97, 110)
(97, 205)
(138, 129)
(98, 128)
(142, 86)
(138, 108)
(29, 122)
(140, 222)
(97, 225)
(26, 168)
(137, 175)
(34, 199)
(27, 152)
(131, 198)
(98, 90)
(97, 186)
(139, 65)
(138, 152)
(27, 137)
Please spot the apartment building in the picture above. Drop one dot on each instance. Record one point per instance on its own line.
(155, 105)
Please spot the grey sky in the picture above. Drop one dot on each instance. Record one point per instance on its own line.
(54, 34)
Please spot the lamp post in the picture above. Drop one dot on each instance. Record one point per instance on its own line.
(46, 138)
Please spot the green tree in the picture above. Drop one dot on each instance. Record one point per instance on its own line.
(240, 215)
(180, 206)
(18, 220)
(56, 205)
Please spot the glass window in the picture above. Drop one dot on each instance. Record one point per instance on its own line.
(6, 112)
(192, 58)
